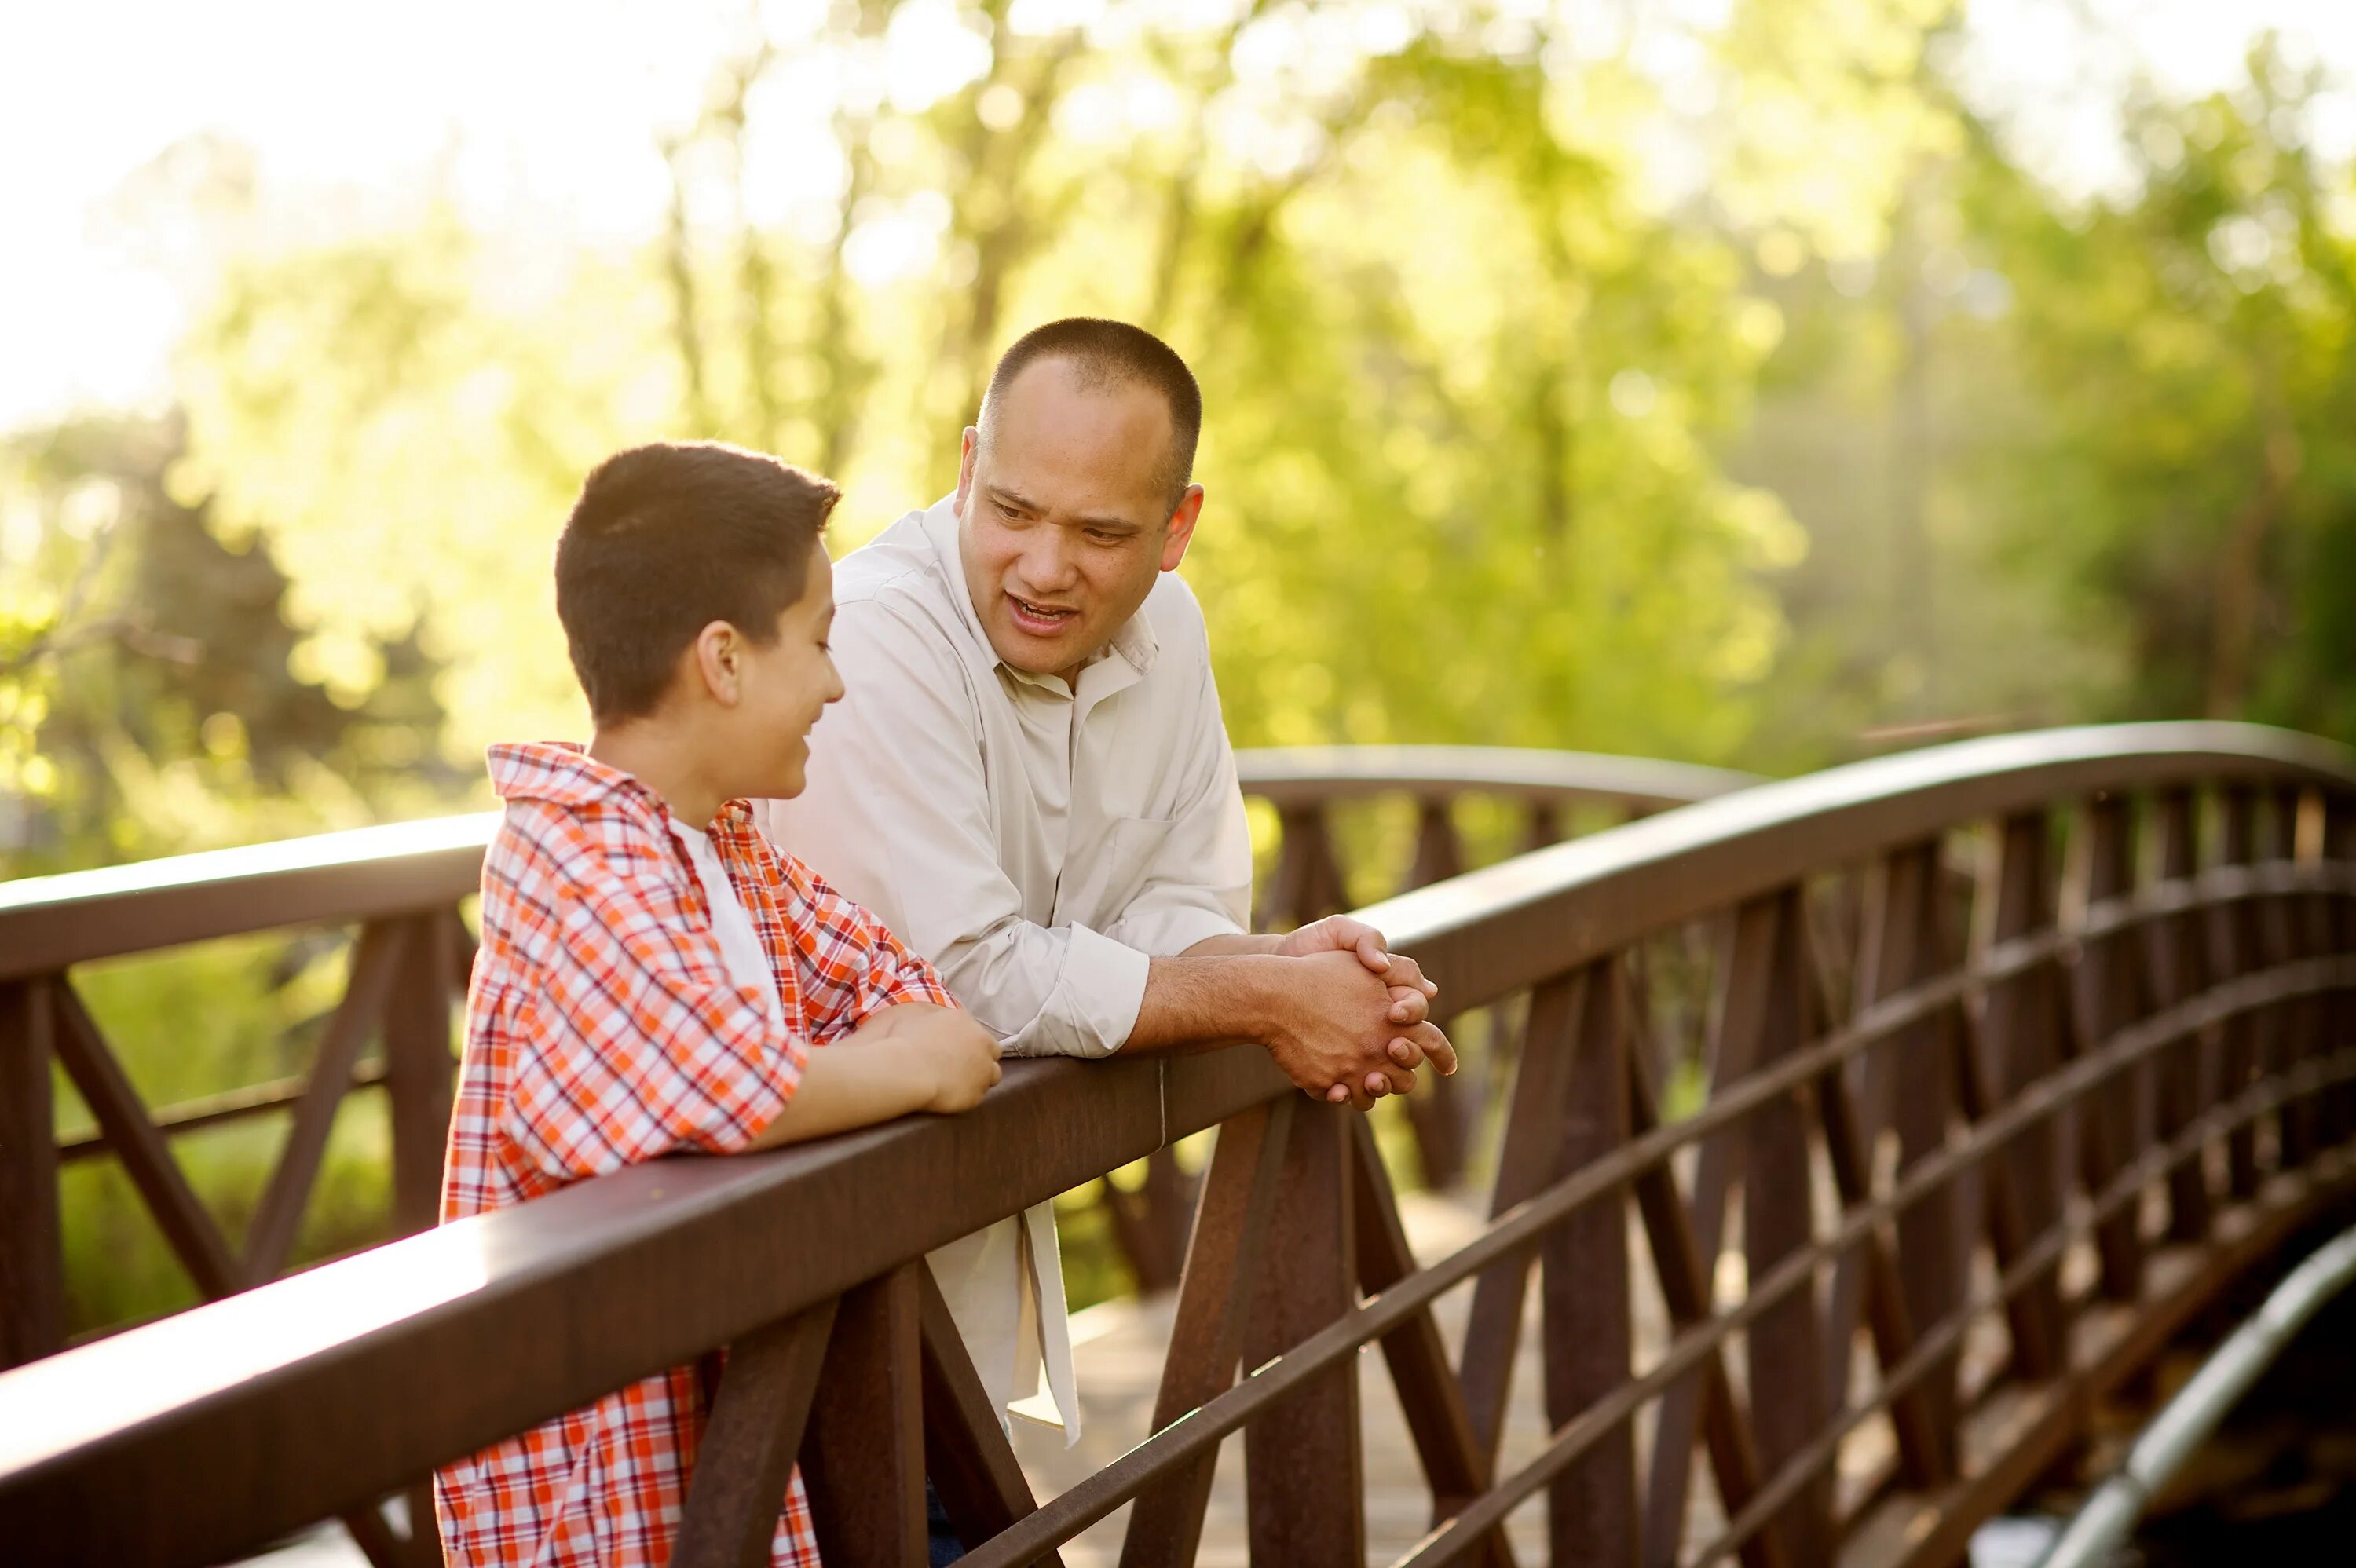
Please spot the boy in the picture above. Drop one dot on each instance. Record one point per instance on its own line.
(655, 977)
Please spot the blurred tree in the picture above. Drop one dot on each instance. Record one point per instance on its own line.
(2194, 481)
(1465, 387)
(151, 696)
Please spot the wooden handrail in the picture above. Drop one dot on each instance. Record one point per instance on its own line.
(351, 1379)
(50, 923)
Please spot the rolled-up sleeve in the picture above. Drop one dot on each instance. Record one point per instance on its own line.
(896, 814)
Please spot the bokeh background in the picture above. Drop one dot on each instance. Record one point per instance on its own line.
(1760, 382)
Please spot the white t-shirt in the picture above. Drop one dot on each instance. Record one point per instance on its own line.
(740, 944)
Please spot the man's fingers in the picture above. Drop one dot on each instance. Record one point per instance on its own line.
(1438, 1049)
(1407, 1053)
(1406, 971)
(1409, 1005)
(1338, 1094)
(1373, 952)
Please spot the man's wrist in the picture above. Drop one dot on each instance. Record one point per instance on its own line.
(1200, 998)
(1262, 996)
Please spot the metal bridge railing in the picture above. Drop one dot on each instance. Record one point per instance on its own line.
(398, 892)
(2016, 1051)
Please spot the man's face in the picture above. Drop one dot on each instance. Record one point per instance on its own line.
(1066, 516)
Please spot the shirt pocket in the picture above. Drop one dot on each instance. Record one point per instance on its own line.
(1108, 873)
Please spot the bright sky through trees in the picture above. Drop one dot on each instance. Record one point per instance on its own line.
(543, 118)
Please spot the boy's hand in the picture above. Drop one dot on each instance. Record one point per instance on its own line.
(948, 1051)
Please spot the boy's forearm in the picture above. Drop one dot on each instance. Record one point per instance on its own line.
(846, 1085)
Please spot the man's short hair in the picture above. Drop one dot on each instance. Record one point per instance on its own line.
(1106, 353)
(666, 539)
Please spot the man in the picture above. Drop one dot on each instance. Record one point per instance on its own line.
(1030, 783)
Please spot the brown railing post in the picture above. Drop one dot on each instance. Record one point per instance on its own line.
(2340, 930)
(2111, 996)
(2179, 974)
(1689, 1403)
(749, 1442)
(1524, 1162)
(1429, 1395)
(1685, 1291)
(1303, 1474)
(1208, 1331)
(1591, 1509)
(1436, 1114)
(2020, 1023)
(376, 961)
(1906, 945)
(32, 1254)
(1307, 882)
(419, 1068)
(1786, 1344)
(862, 1457)
(2298, 938)
(2236, 950)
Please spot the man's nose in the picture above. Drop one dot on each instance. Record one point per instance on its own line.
(1047, 565)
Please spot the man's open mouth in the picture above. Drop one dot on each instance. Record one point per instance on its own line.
(1039, 617)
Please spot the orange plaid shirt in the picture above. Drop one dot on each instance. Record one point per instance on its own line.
(602, 1032)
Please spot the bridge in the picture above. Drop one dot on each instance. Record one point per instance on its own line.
(1829, 1150)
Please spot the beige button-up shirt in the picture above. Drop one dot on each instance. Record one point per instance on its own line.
(1040, 843)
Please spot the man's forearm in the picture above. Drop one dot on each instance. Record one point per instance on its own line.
(1206, 996)
(1234, 943)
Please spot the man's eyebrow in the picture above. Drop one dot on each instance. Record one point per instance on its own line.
(1110, 525)
(1013, 498)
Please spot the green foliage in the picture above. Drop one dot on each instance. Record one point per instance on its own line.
(2197, 483)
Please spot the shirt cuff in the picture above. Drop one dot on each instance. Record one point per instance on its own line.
(1098, 993)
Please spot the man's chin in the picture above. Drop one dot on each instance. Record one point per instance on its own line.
(1035, 654)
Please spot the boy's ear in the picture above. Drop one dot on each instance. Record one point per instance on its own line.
(716, 660)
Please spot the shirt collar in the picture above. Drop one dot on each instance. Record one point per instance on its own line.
(562, 773)
(1134, 642)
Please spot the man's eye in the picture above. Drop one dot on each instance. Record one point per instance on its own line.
(1100, 537)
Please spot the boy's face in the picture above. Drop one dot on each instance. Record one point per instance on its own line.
(781, 690)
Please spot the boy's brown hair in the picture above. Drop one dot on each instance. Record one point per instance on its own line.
(666, 538)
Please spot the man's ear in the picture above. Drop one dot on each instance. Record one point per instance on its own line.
(718, 654)
(1182, 528)
(972, 445)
